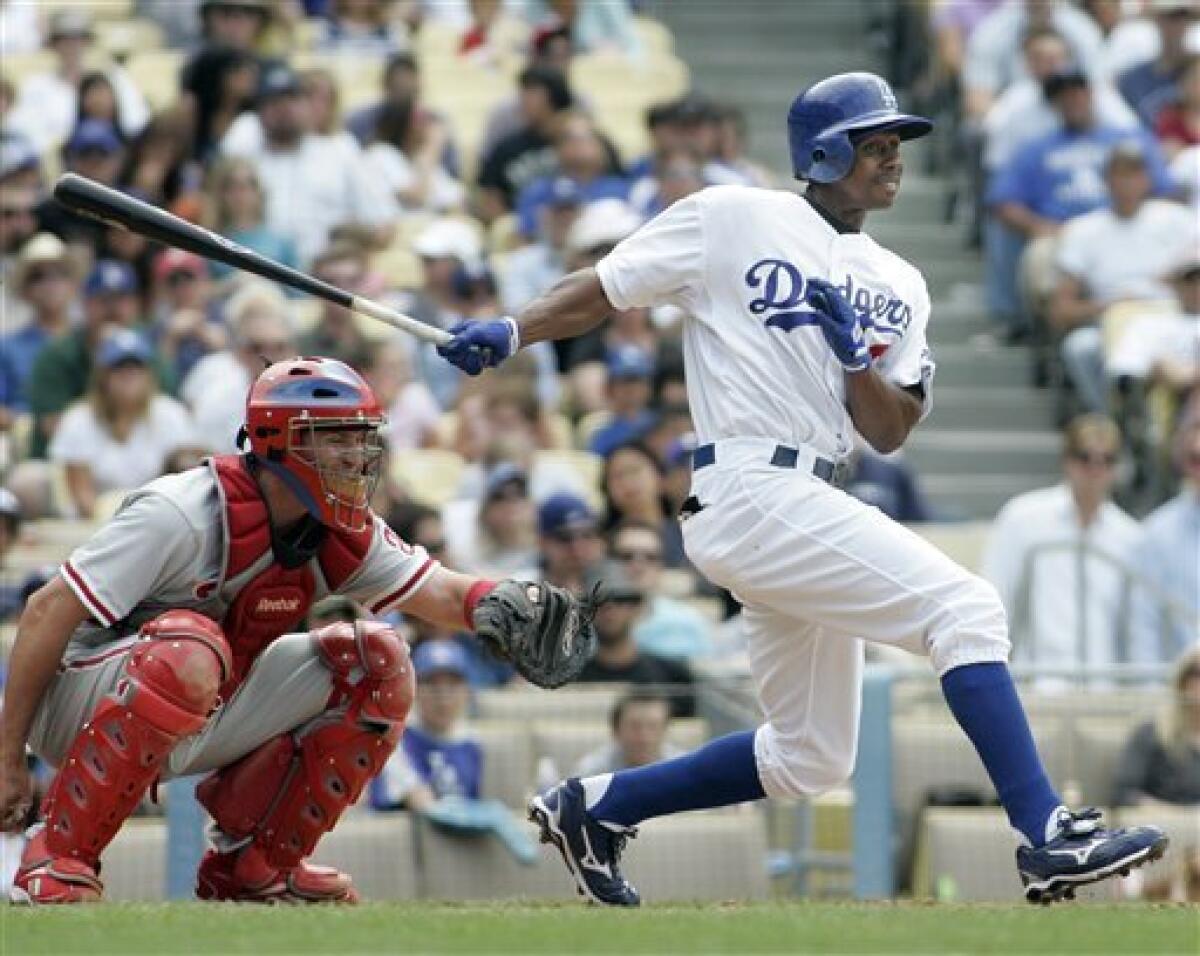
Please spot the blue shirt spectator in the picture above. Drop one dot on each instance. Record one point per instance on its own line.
(1061, 175)
(542, 192)
(890, 485)
(1151, 85)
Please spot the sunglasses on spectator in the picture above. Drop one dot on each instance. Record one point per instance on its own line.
(267, 348)
(581, 534)
(435, 547)
(15, 212)
(635, 554)
(45, 274)
(181, 277)
(1093, 458)
(625, 599)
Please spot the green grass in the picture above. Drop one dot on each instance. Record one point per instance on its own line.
(413, 928)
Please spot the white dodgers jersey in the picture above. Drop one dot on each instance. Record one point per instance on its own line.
(737, 260)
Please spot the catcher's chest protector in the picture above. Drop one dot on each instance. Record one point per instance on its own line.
(271, 600)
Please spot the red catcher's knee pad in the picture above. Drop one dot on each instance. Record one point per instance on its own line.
(292, 790)
(167, 692)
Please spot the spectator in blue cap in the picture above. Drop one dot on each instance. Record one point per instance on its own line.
(537, 266)
(63, 368)
(495, 536)
(436, 759)
(20, 163)
(94, 149)
(122, 436)
(569, 540)
(630, 373)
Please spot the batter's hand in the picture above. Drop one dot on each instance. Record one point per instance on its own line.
(480, 345)
(16, 795)
(840, 325)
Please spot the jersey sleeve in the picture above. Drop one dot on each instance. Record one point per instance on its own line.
(391, 573)
(910, 361)
(664, 261)
(147, 546)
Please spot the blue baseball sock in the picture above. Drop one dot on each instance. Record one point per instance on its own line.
(721, 772)
(985, 704)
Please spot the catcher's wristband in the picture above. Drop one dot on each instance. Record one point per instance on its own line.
(475, 593)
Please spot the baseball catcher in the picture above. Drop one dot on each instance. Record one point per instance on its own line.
(169, 644)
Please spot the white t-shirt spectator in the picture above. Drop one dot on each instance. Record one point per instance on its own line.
(413, 415)
(47, 106)
(116, 465)
(390, 167)
(1022, 114)
(215, 390)
(1153, 338)
(994, 59)
(1120, 259)
(1063, 586)
(314, 187)
(1185, 169)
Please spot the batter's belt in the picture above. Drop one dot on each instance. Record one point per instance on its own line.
(779, 456)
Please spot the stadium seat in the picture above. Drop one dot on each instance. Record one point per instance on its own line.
(528, 704)
(586, 465)
(378, 850)
(962, 542)
(1096, 745)
(508, 764)
(656, 39)
(565, 743)
(966, 855)
(135, 863)
(431, 475)
(156, 73)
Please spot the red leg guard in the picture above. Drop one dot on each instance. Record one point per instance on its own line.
(284, 796)
(168, 689)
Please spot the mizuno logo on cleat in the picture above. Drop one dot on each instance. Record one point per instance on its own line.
(1081, 854)
(589, 858)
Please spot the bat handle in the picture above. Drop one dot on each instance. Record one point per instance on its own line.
(398, 320)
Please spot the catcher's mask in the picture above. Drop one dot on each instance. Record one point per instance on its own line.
(315, 424)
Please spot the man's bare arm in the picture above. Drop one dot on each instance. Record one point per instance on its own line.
(47, 623)
(883, 413)
(573, 305)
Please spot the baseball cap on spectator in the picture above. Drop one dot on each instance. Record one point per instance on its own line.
(440, 657)
(17, 154)
(122, 347)
(1066, 78)
(70, 23)
(503, 476)
(178, 260)
(254, 6)
(565, 192)
(629, 362)
(278, 79)
(564, 511)
(93, 135)
(44, 248)
(602, 225)
(111, 277)
(448, 238)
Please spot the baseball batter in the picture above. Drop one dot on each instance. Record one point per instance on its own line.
(168, 645)
(802, 331)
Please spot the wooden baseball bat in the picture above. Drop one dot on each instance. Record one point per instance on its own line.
(89, 198)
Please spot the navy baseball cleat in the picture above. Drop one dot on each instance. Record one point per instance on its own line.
(591, 850)
(1084, 852)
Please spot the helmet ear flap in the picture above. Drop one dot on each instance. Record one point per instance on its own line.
(832, 157)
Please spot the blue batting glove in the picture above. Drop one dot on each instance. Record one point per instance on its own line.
(840, 325)
(480, 345)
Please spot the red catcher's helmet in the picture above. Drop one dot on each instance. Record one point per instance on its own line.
(314, 423)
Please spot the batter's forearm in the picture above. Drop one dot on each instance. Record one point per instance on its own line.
(882, 413)
(46, 625)
(572, 306)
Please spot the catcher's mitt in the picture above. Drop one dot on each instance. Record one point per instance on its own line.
(545, 631)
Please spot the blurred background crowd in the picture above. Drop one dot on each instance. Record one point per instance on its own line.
(456, 157)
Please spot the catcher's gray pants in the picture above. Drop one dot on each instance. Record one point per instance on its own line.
(287, 686)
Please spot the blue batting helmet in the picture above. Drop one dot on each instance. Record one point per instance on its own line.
(824, 116)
